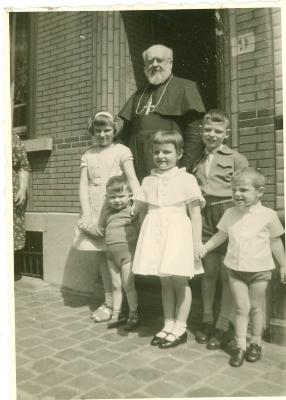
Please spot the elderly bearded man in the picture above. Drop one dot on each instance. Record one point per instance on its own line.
(166, 102)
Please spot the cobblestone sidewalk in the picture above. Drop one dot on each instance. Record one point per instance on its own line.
(62, 354)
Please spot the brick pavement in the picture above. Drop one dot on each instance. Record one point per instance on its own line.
(62, 354)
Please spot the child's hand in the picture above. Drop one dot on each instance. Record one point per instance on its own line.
(199, 251)
(96, 230)
(84, 222)
(283, 275)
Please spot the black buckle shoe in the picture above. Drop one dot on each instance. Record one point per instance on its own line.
(237, 358)
(156, 340)
(203, 335)
(166, 344)
(216, 340)
(253, 352)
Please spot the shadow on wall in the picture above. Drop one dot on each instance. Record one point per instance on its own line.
(81, 283)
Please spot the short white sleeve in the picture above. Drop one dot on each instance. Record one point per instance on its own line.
(275, 227)
(83, 160)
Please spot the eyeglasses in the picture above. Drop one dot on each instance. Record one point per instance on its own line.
(157, 59)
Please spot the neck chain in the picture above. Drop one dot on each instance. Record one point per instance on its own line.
(149, 108)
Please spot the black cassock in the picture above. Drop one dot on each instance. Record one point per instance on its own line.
(175, 104)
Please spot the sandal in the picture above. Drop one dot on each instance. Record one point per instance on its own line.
(131, 323)
(102, 314)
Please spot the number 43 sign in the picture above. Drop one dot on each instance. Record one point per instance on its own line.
(242, 44)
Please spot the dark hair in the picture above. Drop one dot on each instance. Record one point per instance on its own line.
(169, 136)
(256, 176)
(117, 184)
(104, 118)
(216, 115)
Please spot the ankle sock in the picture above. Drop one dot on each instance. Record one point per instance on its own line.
(168, 327)
(179, 328)
(256, 339)
(241, 342)
(108, 299)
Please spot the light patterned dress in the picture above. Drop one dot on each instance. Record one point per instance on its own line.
(165, 244)
(102, 163)
(19, 161)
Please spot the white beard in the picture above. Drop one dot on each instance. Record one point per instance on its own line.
(158, 77)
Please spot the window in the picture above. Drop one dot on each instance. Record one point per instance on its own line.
(21, 71)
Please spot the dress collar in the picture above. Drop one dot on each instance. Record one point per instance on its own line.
(167, 174)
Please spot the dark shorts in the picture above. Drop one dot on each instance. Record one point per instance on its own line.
(120, 253)
(211, 216)
(249, 277)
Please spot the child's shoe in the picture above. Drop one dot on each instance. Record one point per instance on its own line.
(102, 314)
(132, 322)
(116, 321)
(203, 335)
(253, 352)
(237, 358)
(216, 340)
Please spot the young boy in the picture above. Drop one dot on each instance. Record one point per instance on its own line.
(121, 234)
(214, 172)
(254, 232)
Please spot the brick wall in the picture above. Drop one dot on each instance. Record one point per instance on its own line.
(250, 96)
(278, 110)
(63, 104)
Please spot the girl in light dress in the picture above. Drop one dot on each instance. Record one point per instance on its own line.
(101, 161)
(171, 234)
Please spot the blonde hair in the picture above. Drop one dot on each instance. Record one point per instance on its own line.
(104, 118)
(169, 136)
(216, 115)
(254, 175)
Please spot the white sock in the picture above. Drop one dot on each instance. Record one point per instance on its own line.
(168, 327)
(179, 328)
(256, 339)
(108, 299)
(241, 342)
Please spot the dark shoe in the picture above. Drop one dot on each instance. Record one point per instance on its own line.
(115, 322)
(237, 358)
(203, 335)
(253, 353)
(166, 344)
(216, 340)
(157, 340)
(131, 323)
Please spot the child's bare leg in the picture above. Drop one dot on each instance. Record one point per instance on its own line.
(103, 313)
(183, 303)
(169, 304)
(128, 284)
(240, 294)
(116, 288)
(257, 292)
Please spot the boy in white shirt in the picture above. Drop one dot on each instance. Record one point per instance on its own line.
(254, 234)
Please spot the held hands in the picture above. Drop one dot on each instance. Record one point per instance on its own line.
(84, 224)
(199, 250)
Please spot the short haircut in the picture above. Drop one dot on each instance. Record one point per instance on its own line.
(117, 184)
(216, 115)
(169, 136)
(168, 50)
(255, 176)
(104, 118)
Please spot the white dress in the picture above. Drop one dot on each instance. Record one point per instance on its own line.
(165, 243)
(102, 163)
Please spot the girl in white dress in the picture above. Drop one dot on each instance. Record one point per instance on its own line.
(101, 161)
(170, 235)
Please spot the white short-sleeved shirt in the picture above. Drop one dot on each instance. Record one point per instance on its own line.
(249, 234)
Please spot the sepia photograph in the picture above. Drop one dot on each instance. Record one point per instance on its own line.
(147, 182)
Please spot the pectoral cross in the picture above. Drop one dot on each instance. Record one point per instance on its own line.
(149, 107)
